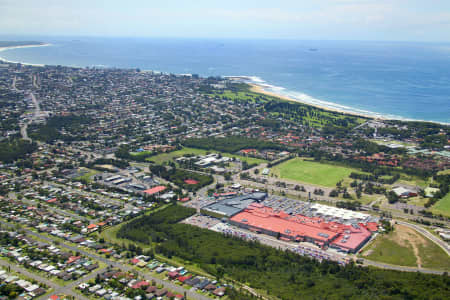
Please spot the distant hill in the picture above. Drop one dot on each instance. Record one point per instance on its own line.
(19, 43)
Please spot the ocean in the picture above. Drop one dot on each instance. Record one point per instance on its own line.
(398, 80)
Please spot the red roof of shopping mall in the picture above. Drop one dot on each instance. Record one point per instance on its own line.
(340, 235)
(155, 190)
(350, 238)
(372, 226)
(191, 181)
(287, 227)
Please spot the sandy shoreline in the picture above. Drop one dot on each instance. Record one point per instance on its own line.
(21, 47)
(258, 85)
(259, 89)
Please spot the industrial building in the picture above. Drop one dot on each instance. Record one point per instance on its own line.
(261, 219)
(232, 205)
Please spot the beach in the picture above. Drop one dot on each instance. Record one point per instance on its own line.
(21, 47)
(368, 83)
(259, 89)
(262, 89)
(257, 85)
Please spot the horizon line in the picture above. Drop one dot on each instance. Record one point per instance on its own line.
(223, 38)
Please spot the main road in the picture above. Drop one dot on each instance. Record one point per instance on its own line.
(367, 262)
(36, 113)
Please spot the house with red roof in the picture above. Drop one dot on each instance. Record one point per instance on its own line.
(155, 190)
(134, 261)
(191, 181)
(182, 279)
(248, 151)
(72, 259)
(172, 275)
(140, 284)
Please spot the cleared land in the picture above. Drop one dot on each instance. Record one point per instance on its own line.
(406, 247)
(312, 172)
(160, 158)
(442, 206)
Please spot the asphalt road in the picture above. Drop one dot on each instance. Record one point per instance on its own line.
(14, 84)
(400, 268)
(37, 111)
(69, 287)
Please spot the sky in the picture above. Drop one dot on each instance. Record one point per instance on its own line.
(386, 20)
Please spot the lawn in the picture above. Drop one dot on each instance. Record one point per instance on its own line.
(412, 181)
(312, 172)
(314, 116)
(406, 247)
(160, 158)
(418, 201)
(387, 251)
(442, 206)
(87, 176)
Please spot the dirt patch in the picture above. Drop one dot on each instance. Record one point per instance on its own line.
(408, 237)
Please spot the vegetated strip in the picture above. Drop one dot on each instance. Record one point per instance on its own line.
(283, 274)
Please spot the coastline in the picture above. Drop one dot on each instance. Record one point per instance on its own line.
(21, 47)
(260, 89)
(257, 85)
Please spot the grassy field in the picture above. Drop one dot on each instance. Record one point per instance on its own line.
(379, 142)
(444, 172)
(418, 201)
(412, 181)
(406, 247)
(314, 116)
(442, 206)
(312, 172)
(88, 175)
(387, 251)
(160, 158)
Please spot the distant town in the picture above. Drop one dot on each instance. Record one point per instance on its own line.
(131, 184)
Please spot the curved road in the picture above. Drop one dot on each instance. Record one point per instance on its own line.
(430, 236)
(367, 262)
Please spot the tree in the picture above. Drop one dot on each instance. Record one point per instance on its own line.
(392, 197)
(334, 193)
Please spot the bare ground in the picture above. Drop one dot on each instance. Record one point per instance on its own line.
(407, 237)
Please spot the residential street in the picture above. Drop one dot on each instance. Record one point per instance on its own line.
(146, 276)
(57, 289)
